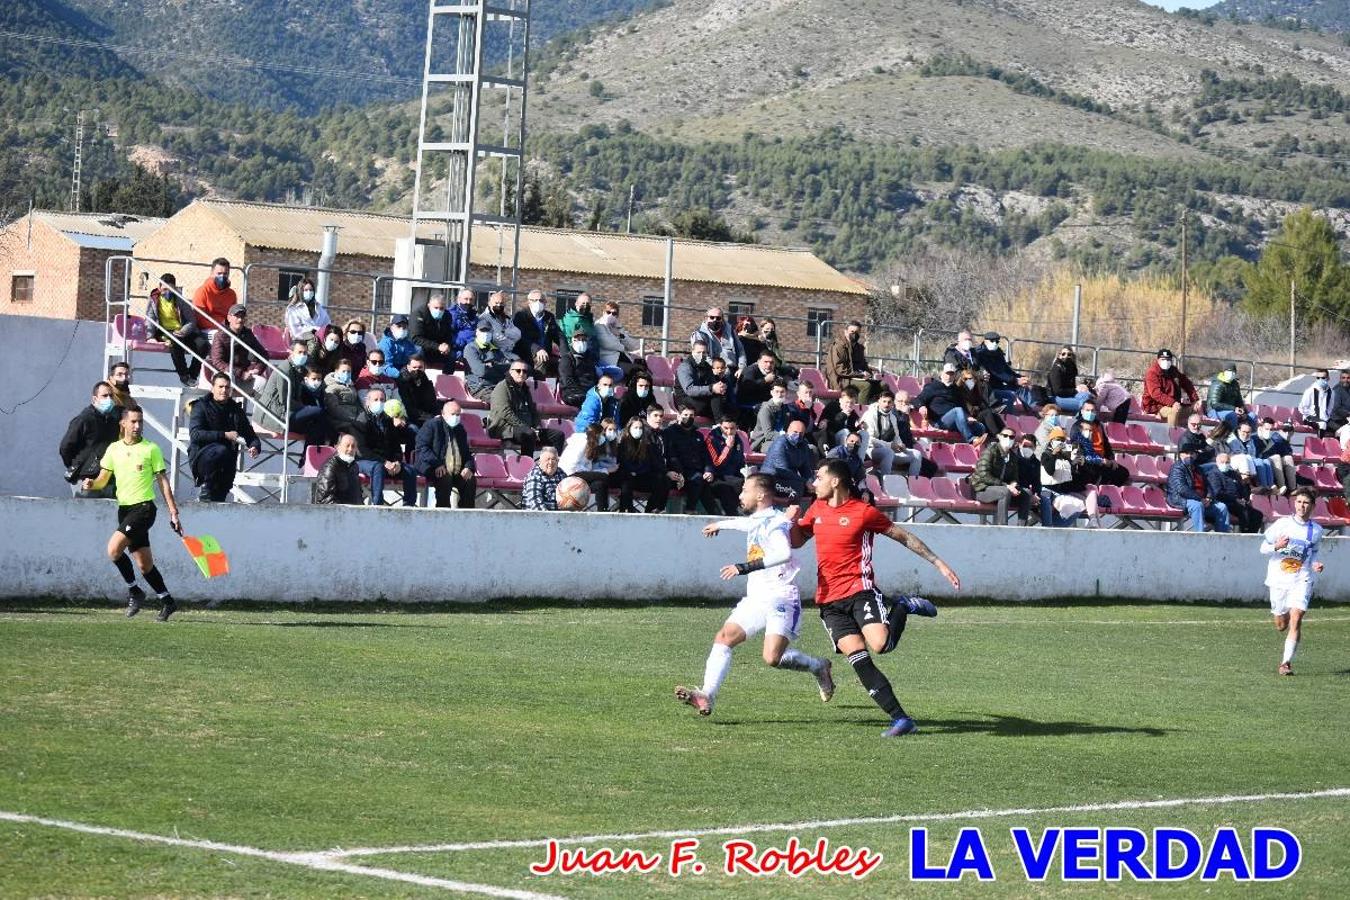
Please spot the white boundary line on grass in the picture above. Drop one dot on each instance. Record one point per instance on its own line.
(821, 824)
(321, 862)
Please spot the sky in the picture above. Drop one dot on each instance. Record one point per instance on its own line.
(1174, 5)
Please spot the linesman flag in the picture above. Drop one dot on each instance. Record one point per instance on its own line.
(208, 556)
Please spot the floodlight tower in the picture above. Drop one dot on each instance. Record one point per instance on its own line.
(469, 172)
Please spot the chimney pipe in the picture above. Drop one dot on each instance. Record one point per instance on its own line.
(326, 257)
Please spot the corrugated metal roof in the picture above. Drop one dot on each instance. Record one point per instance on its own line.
(98, 242)
(584, 252)
(84, 227)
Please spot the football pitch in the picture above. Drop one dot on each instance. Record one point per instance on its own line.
(289, 753)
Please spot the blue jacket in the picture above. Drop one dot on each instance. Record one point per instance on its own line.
(396, 352)
(731, 466)
(487, 367)
(593, 409)
(1181, 484)
(790, 465)
(854, 462)
(463, 322)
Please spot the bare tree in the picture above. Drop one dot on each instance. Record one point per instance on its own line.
(945, 289)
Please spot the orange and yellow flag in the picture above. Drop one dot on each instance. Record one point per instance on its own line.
(208, 556)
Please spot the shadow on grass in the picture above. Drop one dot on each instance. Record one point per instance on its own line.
(994, 725)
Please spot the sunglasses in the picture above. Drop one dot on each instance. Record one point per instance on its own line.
(517, 371)
(357, 332)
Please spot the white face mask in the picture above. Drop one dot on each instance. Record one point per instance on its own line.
(1263, 433)
(330, 343)
(611, 435)
(536, 307)
(1225, 467)
(698, 357)
(376, 407)
(970, 384)
(399, 333)
(308, 295)
(356, 340)
(1005, 443)
(636, 431)
(991, 345)
(452, 420)
(580, 346)
(1027, 452)
(963, 345)
(1164, 364)
(346, 457)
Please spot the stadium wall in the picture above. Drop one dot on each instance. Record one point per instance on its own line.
(295, 554)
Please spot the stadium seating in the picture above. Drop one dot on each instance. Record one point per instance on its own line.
(133, 330)
(883, 500)
(548, 403)
(452, 387)
(479, 439)
(274, 341)
(812, 376)
(663, 375)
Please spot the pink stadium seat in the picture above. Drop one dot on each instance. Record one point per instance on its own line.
(519, 468)
(452, 387)
(1283, 506)
(911, 385)
(548, 404)
(566, 426)
(946, 492)
(1261, 503)
(1317, 450)
(922, 493)
(1322, 515)
(1339, 508)
(883, 499)
(315, 457)
(813, 377)
(479, 439)
(1128, 461)
(891, 381)
(492, 471)
(1141, 440)
(274, 341)
(1164, 466)
(943, 457)
(966, 457)
(662, 373)
(1325, 477)
(133, 329)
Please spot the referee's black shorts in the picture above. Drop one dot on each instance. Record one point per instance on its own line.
(848, 616)
(135, 521)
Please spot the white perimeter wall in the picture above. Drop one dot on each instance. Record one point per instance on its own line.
(302, 553)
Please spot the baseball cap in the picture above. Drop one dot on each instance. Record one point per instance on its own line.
(399, 319)
(948, 367)
(991, 335)
(1164, 353)
(238, 309)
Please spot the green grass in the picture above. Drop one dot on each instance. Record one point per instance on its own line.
(296, 731)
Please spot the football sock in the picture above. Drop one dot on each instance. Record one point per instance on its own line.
(123, 564)
(1290, 645)
(878, 688)
(716, 669)
(798, 661)
(156, 581)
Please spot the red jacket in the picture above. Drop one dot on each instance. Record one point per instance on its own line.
(1166, 388)
(213, 301)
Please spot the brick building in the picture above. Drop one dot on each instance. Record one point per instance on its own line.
(52, 263)
(276, 245)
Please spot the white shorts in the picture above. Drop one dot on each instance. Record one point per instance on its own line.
(1289, 596)
(777, 615)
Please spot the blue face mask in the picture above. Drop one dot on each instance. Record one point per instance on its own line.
(314, 386)
(299, 359)
(794, 438)
(376, 407)
(342, 377)
(104, 405)
(1089, 415)
(1321, 383)
(437, 313)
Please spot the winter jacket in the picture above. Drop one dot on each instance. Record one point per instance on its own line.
(847, 360)
(593, 409)
(512, 409)
(1099, 438)
(722, 343)
(717, 443)
(86, 440)
(433, 442)
(1062, 379)
(505, 334)
(833, 420)
(857, 467)
(939, 399)
(993, 468)
(693, 380)
(536, 334)
(398, 351)
(321, 359)
(209, 422)
(487, 367)
(353, 353)
(302, 323)
(215, 302)
(245, 363)
(1181, 484)
(428, 334)
(612, 342)
(338, 482)
(791, 465)
(771, 421)
(418, 396)
(1166, 389)
(377, 437)
(1224, 396)
(901, 431)
(753, 386)
(1001, 373)
(685, 451)
(642, 457)
(574, 458)
(632, 405)
(1110, 395)
(463, 323)
(541, 491)
(572, 320)
(341, 402)
(576, 375)
(962, 359)
(1340, 405)
(187, 317)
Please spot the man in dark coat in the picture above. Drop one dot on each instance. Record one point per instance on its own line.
(87, 438)
(433, 333)
(443, 457)
(338, 480)
(216, 428)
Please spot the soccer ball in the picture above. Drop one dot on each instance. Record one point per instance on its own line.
(573, 493)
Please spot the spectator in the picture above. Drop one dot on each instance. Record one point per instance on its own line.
(1113, 401)
(1277, 445)
(119, 379)
(382, 446)
(305, 315)
(696, 384)
(768, 336)
(354, 344)
(230, 352)
(463, 322)
(1343, 473)
(642, 466)
(577, 370)
(687, 455)
(1340, 405)
(599, 403)
(727, 457)
(1195, 439)
(540, 337)
(719, 338)
(505, 334)
(443, 457)
(589, 455)
(338, 480)
(1191, 490)
(1032, 397)
(1234, 493)
(1099, 464)
(513, 416)
(340, 399)
(641, 398)
(656, 424)
(723, 376)
(1065, 498)
(891, 439)
(1315, 405)
(1028, 472)
(773, 417)
(1004, 381)
(847, 365)
(1063, 382)
(838, 420)
(1247, 459)
(170, 318)
(790, 462)
(747, 332)
(961, 353)
(87, 438)
(1225, 401)
(376, 373)
(486, 362)
(540, 491)
(615, 349)
(216, 428)
(395, 344)
(303, 388)
(946, 407)
(997, 479)
(756, 381)
(434, 333)
(325, 352)
(417, 392)
(1050, 420)
(580, 318)
(851, 453)
(215, 296)
(977, 403)
(1168, 393)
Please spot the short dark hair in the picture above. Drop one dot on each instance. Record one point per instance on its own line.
(778, 382)
(763, 482)
(120, 364)
(685, 404)
(99, 384)
(167, 278)
(127, 410)
(768, 354)
(220, 261)
(854, 323)
(886, 393)
(849, 390)
(299, 342)
(219, 376)
(729, 417)
(837, 468)
(1305, 491)
(417, 357)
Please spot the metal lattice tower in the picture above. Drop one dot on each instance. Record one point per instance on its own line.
(476, 68)
(75, 170)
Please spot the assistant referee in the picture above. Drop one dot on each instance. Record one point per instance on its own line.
(139, 466)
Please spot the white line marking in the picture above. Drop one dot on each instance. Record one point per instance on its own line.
(1261, 620)
(837, 823)
(321, 862)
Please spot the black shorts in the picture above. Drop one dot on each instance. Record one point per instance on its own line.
(135, 522)
(848, 616)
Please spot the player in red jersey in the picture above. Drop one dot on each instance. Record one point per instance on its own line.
(858, 617)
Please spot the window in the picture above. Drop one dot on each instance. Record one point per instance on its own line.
(287, 279)
(384, 294)
(818, 320)
(738, 308)
(563, 301)
(21, 288)
(653, 312)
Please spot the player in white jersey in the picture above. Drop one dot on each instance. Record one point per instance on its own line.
(771, 603)
(1292, 543)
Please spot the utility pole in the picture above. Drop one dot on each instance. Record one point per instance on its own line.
(1292, 297)
(632, 189)
(75, 170)
(1185, 285)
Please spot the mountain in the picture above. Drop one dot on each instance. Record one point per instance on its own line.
(1329, 15)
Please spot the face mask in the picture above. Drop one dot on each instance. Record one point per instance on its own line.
(1086, 432)
(1056, 444)
(399, 333)
(584, 310)
(356, 340)
(452, 420)
(343, 377)
(603, 391)
(299, 359)
(991, 345)
(104, 404)
(314, 385)
(1263, 433)
(608, 436)
(330, 343)
(308, 295)
(963, 345)
(642, 391)
(437, 313)
(222, 281)
(970, 384)
(1164, 364)
(1225, 467)
(376, 407)
(1226, 377)
(346, 457)
(698, 357)
(1005, 443)
(1089, 415)
(1027, 452)
(580, 346)
(794, 438)
(536, 307)
(777, 401)
(484, 339)
(1321, 383)
(636, 431)
(610, 319)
